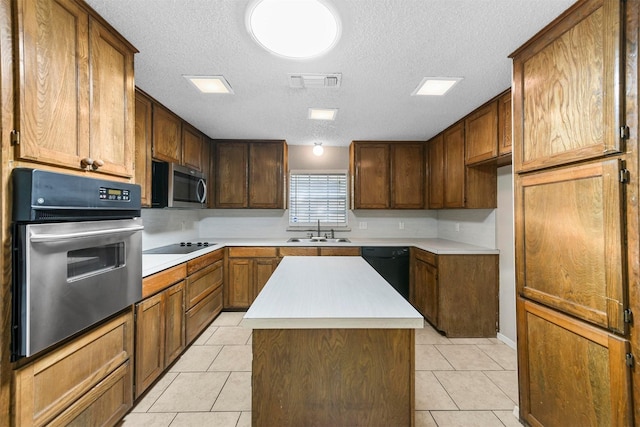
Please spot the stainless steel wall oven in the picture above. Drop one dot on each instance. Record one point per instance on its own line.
(77, 255)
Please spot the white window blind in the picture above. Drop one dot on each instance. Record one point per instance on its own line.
(318, 196)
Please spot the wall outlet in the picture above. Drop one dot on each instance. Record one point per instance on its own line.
(401, 225)
(457, 226)
(362, 225)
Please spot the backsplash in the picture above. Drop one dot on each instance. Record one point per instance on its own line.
(164, 226)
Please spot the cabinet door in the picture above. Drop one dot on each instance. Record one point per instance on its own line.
(435, 149)
(454, 167)
(371, 176)
(150, 330)
(570, 251)
(504, 124)
(143, 148)
(232, 174)
(266, 175)
(174, 322)
(568, 89)
(569, 370)
(239, 290)
(167, 145)
(53, 104)
(425, 278)
(263, 269)
(192, 146)
(407, 176)
(112, 115)
(481, 134)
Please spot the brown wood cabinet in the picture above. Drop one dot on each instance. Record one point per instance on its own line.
(75, 105)
(387, 175)
(250, 174)
(576, 219)
(86, 381)
(246, 272)
(192, 148)
(167, 135)
(160, 325)
(505, 126)
(143, 147)
(451, 183)
(585, 121)
(203, 292)
(458, 294)
(481, 134)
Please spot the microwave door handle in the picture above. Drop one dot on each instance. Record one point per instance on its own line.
(204, 191)
(43, 238)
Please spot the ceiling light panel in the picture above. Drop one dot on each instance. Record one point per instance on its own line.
(293, 29)
(436, 86)
(323, 113)
(210, 84)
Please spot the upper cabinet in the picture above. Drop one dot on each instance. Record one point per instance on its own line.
(192, 147)
(451, 183)
(143, 147)
(387, 175)
(75, 106)
(488, 132)
(250, 174)
(569, 88)
(167, 135)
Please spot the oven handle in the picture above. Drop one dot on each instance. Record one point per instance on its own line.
(37, 238)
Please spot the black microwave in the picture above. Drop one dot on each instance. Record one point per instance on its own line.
(175, 186)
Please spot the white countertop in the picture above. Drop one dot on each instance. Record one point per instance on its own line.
(153, 263)
(307, 292)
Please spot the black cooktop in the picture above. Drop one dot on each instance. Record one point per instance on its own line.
(179, 248)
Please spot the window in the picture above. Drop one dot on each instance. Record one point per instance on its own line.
(317, 196)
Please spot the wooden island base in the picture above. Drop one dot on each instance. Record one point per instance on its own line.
(333, 377)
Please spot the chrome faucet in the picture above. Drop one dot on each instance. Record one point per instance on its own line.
(319, 228)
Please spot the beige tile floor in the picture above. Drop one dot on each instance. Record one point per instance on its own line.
(459, 382)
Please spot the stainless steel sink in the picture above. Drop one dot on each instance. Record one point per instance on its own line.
(317, 240)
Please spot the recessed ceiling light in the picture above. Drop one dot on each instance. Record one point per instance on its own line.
(323, 113)
(435, 85)
(210, 84)
(294, 29)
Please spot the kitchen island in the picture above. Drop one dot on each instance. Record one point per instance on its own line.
(333, 344)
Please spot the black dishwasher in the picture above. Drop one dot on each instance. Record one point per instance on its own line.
(392, 263)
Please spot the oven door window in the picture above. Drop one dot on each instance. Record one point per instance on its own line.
(86, 262)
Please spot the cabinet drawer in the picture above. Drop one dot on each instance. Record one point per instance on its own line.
(341, 251)
(253, 252)
(52, 383)
(104, 404)
(427, 257)
(162, 280)
(298, 251)
(203, 261)
(203, 313)
(203, 282)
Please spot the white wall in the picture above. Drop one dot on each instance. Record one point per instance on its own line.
(505, 243)
(472, 226)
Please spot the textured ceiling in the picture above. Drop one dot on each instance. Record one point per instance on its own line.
(386, 48)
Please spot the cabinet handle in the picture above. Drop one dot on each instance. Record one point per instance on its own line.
(96, 164)
(86, 162)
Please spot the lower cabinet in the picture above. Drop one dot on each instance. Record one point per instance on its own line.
(248, 270)
(87, 381)
(160, 334)
(204, 292)
(458, 294)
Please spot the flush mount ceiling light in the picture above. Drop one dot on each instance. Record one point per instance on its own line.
(323, 113)
(294, 29)
(317, 148)
(435, 85)
(210, 84)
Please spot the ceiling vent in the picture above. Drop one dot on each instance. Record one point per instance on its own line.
(315, 81)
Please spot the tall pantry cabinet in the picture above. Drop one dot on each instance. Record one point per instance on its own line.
(575, 159)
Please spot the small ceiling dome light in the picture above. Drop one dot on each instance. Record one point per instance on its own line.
(317, 148)
(294, 29)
